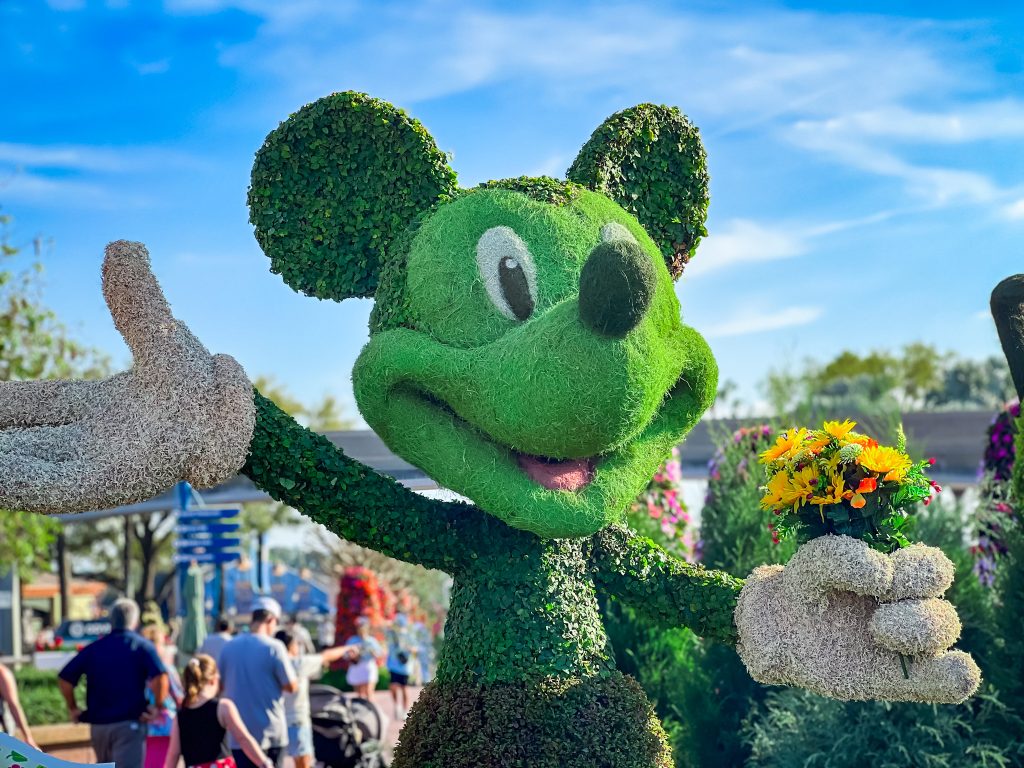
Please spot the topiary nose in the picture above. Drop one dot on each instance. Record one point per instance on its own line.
(616, 288)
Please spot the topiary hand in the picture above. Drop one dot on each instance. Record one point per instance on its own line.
(179, 413)
(837, 618)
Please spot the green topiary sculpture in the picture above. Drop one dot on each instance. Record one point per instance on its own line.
(527, 351)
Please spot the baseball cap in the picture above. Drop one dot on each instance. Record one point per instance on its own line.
(268, 604)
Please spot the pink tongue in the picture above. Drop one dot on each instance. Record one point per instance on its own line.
(555, 475)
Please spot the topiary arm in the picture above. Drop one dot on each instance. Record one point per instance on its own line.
(307, 471)
(663, 588)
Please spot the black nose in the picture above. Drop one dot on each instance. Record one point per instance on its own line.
(616, 287)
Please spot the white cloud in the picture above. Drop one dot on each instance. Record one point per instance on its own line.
(749, 321)
(963, 123)
(65, 193)
(744, 241)
(79, 157)
(1014, 211)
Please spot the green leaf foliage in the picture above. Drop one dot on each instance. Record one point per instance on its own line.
(563, 722)
(524, 614)
(335, 184)
(650, 160)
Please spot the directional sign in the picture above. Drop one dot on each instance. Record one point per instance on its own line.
(205, 544)
(197, 515)
(208, 557)
(212, 528)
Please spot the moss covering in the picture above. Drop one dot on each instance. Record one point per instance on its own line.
(335, 184)
(650, 160)
(562, 722)
(520, 326)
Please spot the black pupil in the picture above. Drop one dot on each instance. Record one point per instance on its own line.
(513, 283)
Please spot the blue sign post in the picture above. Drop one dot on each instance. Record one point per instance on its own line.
(206, 536)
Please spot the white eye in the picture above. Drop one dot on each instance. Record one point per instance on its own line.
(615, 231)
(507, 269)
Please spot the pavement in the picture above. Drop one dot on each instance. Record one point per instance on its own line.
(387, 707)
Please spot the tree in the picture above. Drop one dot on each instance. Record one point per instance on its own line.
(34, 344)
(886, 383)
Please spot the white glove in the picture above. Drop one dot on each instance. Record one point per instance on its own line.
(837, 618)
(179, 413)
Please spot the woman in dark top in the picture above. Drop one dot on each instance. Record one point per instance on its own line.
(200, 730)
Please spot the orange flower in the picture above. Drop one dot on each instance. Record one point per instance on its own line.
(867, 485)
(862, 440)
(787, 445)
(858, 501)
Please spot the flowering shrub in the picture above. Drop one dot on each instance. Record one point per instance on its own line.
(660, 512)
(995, 515)
(733, 533)
(359, 595)
(836, 481)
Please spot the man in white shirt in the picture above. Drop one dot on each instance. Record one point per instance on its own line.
(214, 644)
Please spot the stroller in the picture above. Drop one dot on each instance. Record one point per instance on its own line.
(347, 731)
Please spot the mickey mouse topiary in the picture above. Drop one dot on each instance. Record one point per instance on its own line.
(527, 351)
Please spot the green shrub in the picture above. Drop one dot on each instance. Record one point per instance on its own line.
(40, 696)
(797, 729)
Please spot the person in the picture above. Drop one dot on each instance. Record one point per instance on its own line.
(298, 629)
(256, 673)
(296, 705)
(214, 644)
(401, 654)
(12, 716)
(325, 632)
(363, 673)
(158, 729)
(117, 669)
(424, 649)
(199, 733)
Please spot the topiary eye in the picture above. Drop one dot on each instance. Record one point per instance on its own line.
(508, 272)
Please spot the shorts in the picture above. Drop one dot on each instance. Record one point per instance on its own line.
(300, 740)
(362, 673)
(397, 678)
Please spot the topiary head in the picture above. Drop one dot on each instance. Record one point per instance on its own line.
(526, 345)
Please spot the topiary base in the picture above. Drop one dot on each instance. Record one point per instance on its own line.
(599, 722)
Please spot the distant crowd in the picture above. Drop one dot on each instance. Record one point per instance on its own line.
(242, 700)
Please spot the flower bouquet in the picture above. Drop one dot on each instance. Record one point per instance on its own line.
(835, 481)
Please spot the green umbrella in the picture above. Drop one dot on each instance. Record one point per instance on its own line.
(193, 630)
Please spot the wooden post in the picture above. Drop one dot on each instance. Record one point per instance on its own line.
(63, 578)
(127, 556)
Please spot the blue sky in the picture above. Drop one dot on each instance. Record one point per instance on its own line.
(867, 159)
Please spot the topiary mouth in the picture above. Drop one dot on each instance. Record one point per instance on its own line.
(572, 475)
(558, 474)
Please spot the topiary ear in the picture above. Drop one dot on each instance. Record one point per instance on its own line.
(650, 160)
(334, 185)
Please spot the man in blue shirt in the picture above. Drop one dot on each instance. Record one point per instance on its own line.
(117, 669)
(256, 673)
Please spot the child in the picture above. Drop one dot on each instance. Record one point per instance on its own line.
(363, 672)
(296, 705)
(199, 733)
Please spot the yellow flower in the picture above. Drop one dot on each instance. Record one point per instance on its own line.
(786, 445)
(886, 461)
(833, 492)
(785, 490)
(802, 485)
(838, 430)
